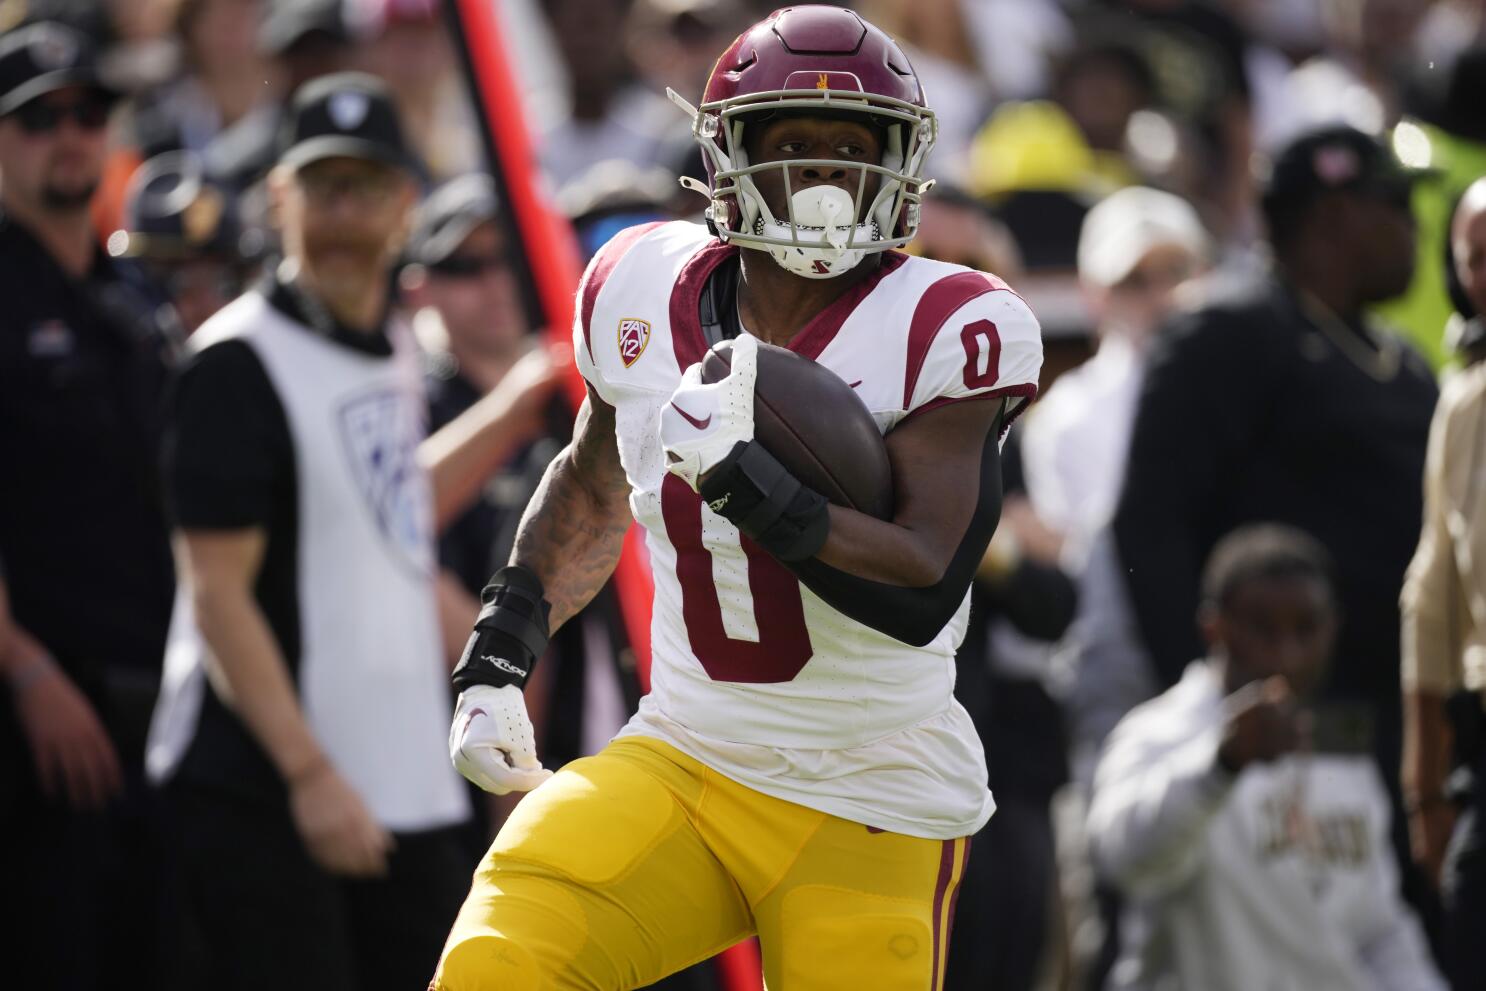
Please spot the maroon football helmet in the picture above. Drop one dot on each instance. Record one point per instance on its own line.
(814, 59)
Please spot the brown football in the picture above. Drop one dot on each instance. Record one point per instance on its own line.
(818, 428)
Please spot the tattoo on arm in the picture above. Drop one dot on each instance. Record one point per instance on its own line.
(574, 527)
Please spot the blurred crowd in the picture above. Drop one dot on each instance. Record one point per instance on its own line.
(1228, 646)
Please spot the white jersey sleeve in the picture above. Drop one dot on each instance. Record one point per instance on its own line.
(592, 348)
(988, 346)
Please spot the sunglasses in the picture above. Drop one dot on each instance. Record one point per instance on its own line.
(468, 266)
(38, 117)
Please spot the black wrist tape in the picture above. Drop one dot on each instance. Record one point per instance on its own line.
(510, 633)
(764, 501)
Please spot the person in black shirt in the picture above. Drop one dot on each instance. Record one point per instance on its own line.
(84, 361)
(1283, 402)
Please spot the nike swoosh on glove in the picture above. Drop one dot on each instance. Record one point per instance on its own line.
(703, 423)
(491, 741)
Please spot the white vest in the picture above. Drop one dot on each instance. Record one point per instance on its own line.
(371, 675)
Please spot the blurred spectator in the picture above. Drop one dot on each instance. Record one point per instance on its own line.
(1282, 400)
(1196, 52)
(183, 228)
(1136, 247)
(935, 38)
(469, 318)
(1445, 131)
(301, 39)
(300, 727)
(224, 78)
(616, 194)
(409, 49)
(672, 43)
(1249, 834)
(84, 360)
(610, 113)
(1444, 632)
(953, 227)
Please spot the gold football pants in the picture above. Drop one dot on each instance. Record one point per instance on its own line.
(640, 861)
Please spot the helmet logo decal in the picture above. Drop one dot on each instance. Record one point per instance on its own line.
(634, 334)
(827, 80)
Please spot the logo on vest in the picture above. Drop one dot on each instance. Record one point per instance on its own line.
(633, 336)
(380, 432)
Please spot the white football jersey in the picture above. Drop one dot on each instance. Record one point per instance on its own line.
(752, 673)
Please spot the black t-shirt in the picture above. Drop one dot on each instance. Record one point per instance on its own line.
(84, 368)
(1250, 412)
(229, 462)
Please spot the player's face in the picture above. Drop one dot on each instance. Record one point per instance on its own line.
(344, 218)
(476, 295)
(846, 141)
(1276, 626)
(51, 149)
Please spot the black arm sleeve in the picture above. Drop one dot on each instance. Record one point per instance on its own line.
(916, 615)
(1204, 397)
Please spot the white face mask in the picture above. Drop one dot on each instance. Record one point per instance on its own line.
(823, 226)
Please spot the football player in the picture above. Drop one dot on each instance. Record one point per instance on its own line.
(800, 769)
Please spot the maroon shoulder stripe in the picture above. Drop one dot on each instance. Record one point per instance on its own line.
(601, 268)
(936, 305)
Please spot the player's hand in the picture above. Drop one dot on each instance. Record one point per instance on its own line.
(335, 825)
(703, 423)
(491, 741)
(1264, 723)
(73, 754)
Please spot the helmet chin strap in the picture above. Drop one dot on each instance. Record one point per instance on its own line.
(823, 225)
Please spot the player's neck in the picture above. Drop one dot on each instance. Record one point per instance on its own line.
(775, 304)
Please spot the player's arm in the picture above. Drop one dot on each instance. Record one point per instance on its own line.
(907, 576)
(567, 544)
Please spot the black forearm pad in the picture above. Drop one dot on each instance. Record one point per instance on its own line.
(510, 634)
(751, 489)
(916, 615)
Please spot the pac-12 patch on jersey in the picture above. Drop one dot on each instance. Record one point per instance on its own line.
(634, 334)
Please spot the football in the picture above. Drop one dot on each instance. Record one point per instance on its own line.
(818, 428)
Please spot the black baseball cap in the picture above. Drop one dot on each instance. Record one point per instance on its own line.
(43, 57)
(448, 216)
(1331, 159)
(343, 115)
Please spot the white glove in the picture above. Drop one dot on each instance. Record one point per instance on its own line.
(702, 423)
(491, 741)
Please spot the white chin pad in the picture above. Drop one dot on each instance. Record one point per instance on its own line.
(827, 207)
